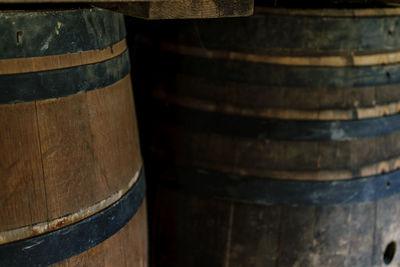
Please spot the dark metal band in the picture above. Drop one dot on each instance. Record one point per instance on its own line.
(293, 130)
(58, 83)
(71, 240)
(270, 75)
(281, 192)
(58, 30)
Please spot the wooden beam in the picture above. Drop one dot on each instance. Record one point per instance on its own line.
(180, 9)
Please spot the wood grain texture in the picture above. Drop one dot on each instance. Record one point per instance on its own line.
(21, 169)
(80, 149)
(189, 87)
(238, 87)
(257, 235)
(206, 83)
(352, 103)
(83, 141)
(294, 160)
(184, 9)
(38, 184)
(128, 247)
(70, 149)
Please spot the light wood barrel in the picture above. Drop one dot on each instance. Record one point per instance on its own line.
(275, 138)
(70, 165)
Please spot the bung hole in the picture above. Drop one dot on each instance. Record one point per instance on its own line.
(389, 253)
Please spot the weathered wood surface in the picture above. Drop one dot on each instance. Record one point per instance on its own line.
(252, 119)
(180, 9)
(224, 101)
(146, 9)
(201, 230)
(69, 141)
(184, 9)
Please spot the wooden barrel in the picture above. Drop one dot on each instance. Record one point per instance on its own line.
(274, 138)
(70, 165)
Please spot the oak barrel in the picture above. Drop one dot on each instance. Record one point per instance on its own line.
(70, 165)
(273, 140)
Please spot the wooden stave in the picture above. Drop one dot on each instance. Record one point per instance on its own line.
(54, 109)
(113, 96)
(206, 217)
(78, 238)
(182, 90)
(379, 94)
(381, 98)
(245, 234)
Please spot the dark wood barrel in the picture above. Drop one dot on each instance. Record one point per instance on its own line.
(70, 165)
(273, 140)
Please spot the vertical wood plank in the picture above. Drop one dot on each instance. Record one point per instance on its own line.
(114, 134)
(387, 229)
(361, 238)
(255, 235)
(68, 155)
(297, 238)
(20, 168)
(88, 140)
